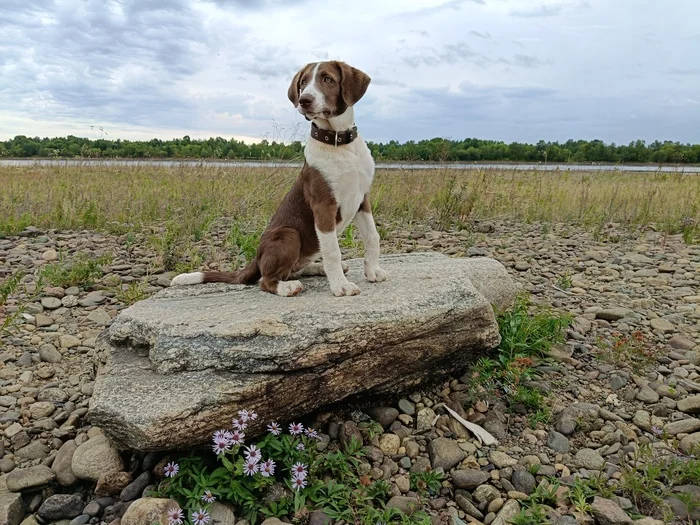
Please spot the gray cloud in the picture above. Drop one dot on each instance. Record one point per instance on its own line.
(536, 12)
(485, 34)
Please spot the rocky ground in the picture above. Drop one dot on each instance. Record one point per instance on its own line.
(610, 396)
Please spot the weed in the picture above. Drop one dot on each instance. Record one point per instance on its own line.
(243, 243)
(82, 270)
(564, 281)
(427, 482)
(627, 350)
(347, 239)
(131, 293)
(371, 428)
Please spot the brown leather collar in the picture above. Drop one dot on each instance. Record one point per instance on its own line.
(333, 137)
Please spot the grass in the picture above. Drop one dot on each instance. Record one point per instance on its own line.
(185, 200)
(527, 335)
(80, 270)
(633, 351)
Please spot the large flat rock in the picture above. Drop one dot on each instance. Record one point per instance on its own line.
(179, 365)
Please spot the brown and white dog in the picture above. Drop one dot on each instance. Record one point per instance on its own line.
(331, 190)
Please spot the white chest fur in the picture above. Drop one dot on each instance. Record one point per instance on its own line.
(349, 171)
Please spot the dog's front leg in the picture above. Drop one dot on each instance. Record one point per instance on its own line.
(330, 251)
(370, 238)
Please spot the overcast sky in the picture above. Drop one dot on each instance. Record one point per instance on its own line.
(513, 70)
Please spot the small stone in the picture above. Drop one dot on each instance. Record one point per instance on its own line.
(469, 479)
(61, 466)
(149, 511)
(522, 266)
(689, 405)
(49, 354)
(507, 513)
(405, 504)
(112, 483)
(80, 520)
(69, 341)
(6, 465)
(613, 314)
(607, 512)
(424, 419)
(647, 395)
(385, 416)
(99, 317)
(589, 459)
(61, 506)
(50, 255)
(389, 444)
(407, 407)
(662, 325)
(445, 453)
(22, 479)
(468, 507)
(42, 320)
(617, 382)
(11, 508)
(680, 342)
(690, 444)
(523, 481)
(51, 303)
(34, 450)
(501, 459)
(412, 449)
(95, 458)
(486, 493)
(41, 409)
(403, 483)
(558, 442)
(684, 426)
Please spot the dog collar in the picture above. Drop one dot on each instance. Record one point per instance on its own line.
(338, 138)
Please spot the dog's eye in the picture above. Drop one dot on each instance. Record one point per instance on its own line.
(328, 79)
(303, 82)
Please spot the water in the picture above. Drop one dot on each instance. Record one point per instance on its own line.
(382, 165)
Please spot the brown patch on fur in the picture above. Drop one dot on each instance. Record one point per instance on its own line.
(365, 206)
(342, 85)
(290, 239)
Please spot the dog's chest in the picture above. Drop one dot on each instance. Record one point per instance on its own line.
(348, 170)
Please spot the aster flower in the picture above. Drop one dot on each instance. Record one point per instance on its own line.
(171, 470)
(311, 433)
(299, 470)
(200, 517)
(175, 516)
(222, 435)
(253, 453)
(221, 446)
(251, 467)
(252, 415)
(239, 424)
(298, 483)
(244, 416)
(296, 428)
(301, 446)
(208, 497)
(237, 437)
(267, 468)
(274, 429)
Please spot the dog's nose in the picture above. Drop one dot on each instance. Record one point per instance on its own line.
(306, 100)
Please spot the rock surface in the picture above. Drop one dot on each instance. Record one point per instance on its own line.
(200, 353)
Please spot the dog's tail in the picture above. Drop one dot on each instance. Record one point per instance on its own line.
(248, 275)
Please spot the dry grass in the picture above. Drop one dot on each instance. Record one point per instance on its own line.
(136, 198)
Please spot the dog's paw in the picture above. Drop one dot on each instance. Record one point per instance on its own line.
(289, 288)
(375, 274)
(345, 288)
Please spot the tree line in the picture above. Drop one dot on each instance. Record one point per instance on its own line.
(437, 149)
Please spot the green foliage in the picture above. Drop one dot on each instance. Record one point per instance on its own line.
(371, 428)
(436, 149)
(82, 270)
(131, 293)
(333, 484)
(527, 334)
(633, 350)
(246, 242)
(427, 482)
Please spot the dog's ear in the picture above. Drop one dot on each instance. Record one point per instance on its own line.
(294, 87)
(353, 83)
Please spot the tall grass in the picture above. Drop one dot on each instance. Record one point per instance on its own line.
(123, 198)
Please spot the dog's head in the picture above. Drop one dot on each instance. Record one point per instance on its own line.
(327, 89)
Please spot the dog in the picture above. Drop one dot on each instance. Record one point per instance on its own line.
(331, 190)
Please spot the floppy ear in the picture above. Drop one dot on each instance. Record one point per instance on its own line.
(353, 84)
(294, 87)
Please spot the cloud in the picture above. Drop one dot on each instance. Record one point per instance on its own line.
(539, 11)
(485, 35)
